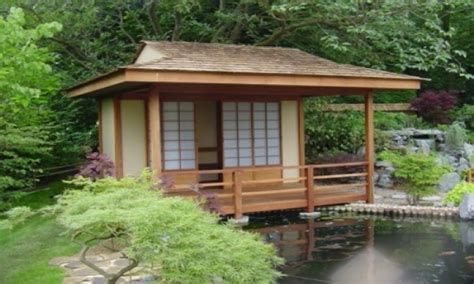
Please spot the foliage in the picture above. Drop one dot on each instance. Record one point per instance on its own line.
(419, 173)
(435, 106)
(397, 121)
(465, 114)
(455, 137)
(456, 194)
(24, 142)
(189, 244)
(331, 132)
(97, 166)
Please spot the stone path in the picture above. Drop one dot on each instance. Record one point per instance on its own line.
(78, 273)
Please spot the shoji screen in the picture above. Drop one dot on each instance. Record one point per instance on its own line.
(178, 136)
(240, 121)
(266, 133)
(237, 134)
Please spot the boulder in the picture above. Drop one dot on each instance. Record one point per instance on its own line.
(468, 150)
(448, 181)
(424, 145)
(385, 181)
(466, 209)
(384, 164)
(463, 165)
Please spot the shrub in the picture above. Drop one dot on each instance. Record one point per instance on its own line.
(435, 106)
(188, 244)
(331, 132)
(456, 194)
(396, 121)
(466, 115)
(455, 136)
(97, 166)
(418, 173)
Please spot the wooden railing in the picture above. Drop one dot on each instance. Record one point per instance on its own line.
(283, 187)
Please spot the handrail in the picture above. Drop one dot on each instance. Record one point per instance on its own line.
(243, 185)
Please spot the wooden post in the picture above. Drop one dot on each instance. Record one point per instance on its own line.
(100, 126)
(369, 145)
(309, 189)
(154, 132)
(118, 138)
(237, 181)
(301, 135)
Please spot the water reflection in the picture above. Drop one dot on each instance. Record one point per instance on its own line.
(350, 249)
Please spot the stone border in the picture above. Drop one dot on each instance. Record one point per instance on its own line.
(395, 210)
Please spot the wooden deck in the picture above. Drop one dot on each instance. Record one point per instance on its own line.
(305, 188)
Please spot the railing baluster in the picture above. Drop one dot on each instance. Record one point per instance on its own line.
(310, 189)
(237, 180)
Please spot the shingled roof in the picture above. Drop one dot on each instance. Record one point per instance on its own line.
(212, 57)
(225, 64)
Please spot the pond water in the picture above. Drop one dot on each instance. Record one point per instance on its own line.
(342, 248)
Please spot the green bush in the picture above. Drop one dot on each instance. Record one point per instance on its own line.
(330, 132)
(397, 120)
(188, 244)
(455, 195)
(466, 115)
(455, 136)
(418, 173)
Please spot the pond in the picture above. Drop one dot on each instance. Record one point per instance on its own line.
(343, 248)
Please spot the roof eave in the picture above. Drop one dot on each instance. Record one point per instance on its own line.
(140, 75)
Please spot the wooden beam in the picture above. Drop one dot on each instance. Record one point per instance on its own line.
(140, 75)
(237, 180)
(309, 189)
(154, 131)
(118, 138)
(369, 145)
(219, 78)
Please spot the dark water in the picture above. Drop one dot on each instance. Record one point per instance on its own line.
(356, 249)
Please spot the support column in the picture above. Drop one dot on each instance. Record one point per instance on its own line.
(237, 181)
(369, 145)
(154, 130)
(118, 138)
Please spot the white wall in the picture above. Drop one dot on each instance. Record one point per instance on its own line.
(133, 136)
(290, 137)
(107, 128)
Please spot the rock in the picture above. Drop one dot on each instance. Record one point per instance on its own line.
(384, 164)
(448, 181)
(463, 165)
(467, 233)
(385, 181)
(399, 196)
(424, 145)
(98, 280)
(466, 209)
(468, 150)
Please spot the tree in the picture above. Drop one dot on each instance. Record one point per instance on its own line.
(419, 173)
(188, 244)
(26, 79)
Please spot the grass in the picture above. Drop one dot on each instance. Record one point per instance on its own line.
(26, 250)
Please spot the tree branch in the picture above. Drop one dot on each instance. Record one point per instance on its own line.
(151, 11)
(177, 26)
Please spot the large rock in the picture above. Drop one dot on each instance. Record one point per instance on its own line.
(385, 181)
(468, 150)
(463, 165)
(448, 181)
(466, 209)
(424, 145)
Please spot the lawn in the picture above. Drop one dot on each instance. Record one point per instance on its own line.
(26, 250)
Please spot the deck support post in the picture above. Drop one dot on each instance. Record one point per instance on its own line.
(309, 189)
(369, 145)
(237, 182)
(118, 138)
(154, 132)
